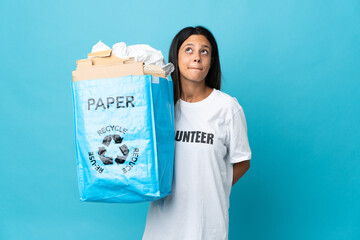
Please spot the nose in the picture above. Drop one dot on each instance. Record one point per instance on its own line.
(197, 57)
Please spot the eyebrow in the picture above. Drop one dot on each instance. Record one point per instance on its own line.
(194, 45)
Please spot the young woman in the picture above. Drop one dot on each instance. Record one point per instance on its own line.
(211, 151)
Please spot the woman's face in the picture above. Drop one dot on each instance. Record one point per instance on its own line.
(194, 58)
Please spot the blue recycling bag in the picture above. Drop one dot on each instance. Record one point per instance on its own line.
(125, 138)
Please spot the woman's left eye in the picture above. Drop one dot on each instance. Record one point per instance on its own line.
(204, 51)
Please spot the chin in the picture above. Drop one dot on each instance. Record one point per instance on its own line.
(194, 78)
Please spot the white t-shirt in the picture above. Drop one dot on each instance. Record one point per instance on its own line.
(210, 135)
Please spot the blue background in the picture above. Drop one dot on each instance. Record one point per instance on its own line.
(294, 66)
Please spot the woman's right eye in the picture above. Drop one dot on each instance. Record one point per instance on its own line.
(188, 50)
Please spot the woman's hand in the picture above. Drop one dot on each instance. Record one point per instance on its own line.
(239, 169)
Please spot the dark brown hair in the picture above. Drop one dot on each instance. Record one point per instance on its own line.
(213, 78)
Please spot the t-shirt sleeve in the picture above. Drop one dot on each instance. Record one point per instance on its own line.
(238, 143)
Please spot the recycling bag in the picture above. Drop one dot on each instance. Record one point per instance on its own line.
(124, 131)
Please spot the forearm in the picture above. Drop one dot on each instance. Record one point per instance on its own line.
(239, 169)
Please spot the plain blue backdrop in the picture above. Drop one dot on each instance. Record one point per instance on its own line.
(294, 66)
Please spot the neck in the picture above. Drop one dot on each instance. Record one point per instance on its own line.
(194, 91)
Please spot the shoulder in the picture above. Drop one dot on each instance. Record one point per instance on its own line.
(230, 103)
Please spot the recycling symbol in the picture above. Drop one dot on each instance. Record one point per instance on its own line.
(113, 142)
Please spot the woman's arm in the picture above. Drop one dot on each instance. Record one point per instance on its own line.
(239, 169)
